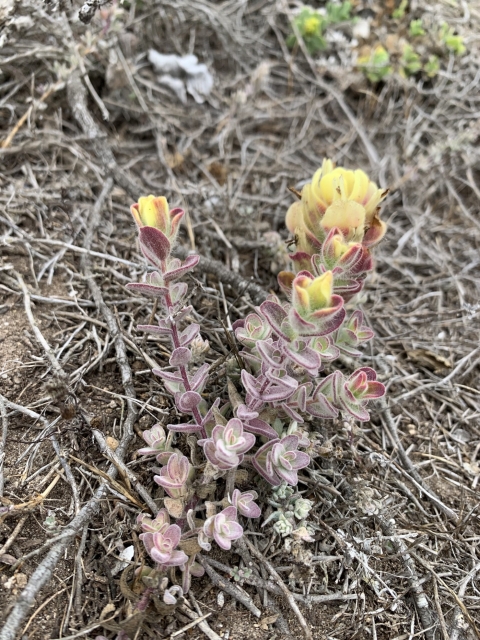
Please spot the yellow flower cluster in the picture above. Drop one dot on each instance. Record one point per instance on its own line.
(341, 198)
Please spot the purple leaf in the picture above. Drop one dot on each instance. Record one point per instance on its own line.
(272, 478)
(275, 314)
(148, 289)
(180, 270)
(244, 413)
(161, 329)
(260, 428)
(189, 334)
(180, 357)
(168, 375)
(198, 379)
(188, 401)
(185, 428)
(155, 245)
(245, 503)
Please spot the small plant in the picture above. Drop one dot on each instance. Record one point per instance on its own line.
(376, 66)
(416, 29)
(454, 43)
(401, 10)
(410, 62)
(276, 389)
(432, 67)
(310, 25)
(338, 12)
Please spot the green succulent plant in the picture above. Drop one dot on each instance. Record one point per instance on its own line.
(432, 67)
(338, 12)
(401, 10)
(376, 66)
(454, 43)
(410, 62)
(416, 29)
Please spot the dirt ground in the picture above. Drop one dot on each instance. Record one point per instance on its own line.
(87, 128)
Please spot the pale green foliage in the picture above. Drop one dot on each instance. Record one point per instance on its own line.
(338, 12)
(401, 10)
(410, 61)
(432, 67)
(416, 28)
(377, 65)
(454, 43)
(311, 25)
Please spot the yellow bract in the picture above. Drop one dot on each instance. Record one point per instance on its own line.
(348, 216)
(311, 25)
(151, 211)
(329, 185)
(341, 198)
(340, 247)
(313, 294)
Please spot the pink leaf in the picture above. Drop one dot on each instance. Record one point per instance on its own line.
(155, 245)
(189, 264)
(188, 401)
(180, 357)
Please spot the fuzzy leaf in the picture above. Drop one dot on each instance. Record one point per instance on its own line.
(188, 401)
(148, 289)
(189, 334)
(180, 357)
(198, 379)
(182, 268)
(155, 245)
(185, 428)
(275, 314)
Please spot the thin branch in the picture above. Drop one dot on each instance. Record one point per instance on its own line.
(391, 430)
(229, 588)
(424, 613)
(286, 592)
(3, 441)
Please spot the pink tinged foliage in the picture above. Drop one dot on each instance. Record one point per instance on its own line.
(155, 246)
(172, 594)
(187, 402)
(244, 502)
(180, 357)
(204, 540)
(279, 460)
(228, 444)
(224, 528)
(321, 322)
(154, 286)
(274, 388)
(189, 334)
(277, 318)
(159, 523)
(155, 438)
(303, 355)
(322, 403)
(161, 546)
(325, 347)
(177, 269)
(352, 334)
(297, 402)
(356, 390)
(174, 476)
(253, 424)
(252, 329)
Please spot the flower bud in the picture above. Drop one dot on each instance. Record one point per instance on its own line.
(151, 211)
(336, 198)
(309, 294)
